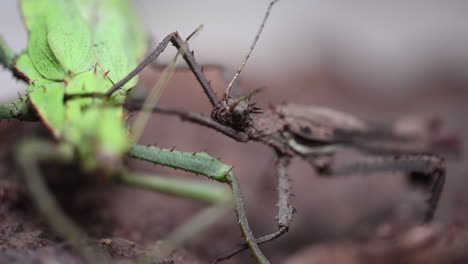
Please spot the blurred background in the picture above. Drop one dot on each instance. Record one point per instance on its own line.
(388, 47)
(380, 60)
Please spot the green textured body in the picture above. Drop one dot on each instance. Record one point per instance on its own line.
(82, 46)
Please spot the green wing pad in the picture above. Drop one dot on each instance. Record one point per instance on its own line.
(134, 35)
(48, 102)
(69, 36)
(60, 38)
(42, 56)
(110, 46)
(33, 12)
(26, 67)
(118, 37)
(64, 32)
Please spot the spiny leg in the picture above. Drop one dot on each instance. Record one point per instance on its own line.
(226, 73)
(7, 55)
(7, 59)
(20, 109)
(151, 100)
(29, 154)
(422, 166)
(204, 164)
(198, 71)
(285, 210)
(243, 222)
(188, 56)
(194, 118)
(217, 195)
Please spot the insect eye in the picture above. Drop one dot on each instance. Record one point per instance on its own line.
(236, 116)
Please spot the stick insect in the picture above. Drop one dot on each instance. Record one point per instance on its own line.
(81, 61)
(315, 134)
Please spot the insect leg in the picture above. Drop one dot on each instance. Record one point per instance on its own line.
(285, 210)
(225, 72)
(197, 70)
(29, 154)
(207, 192)
(204, 164)
(194, 118)
(177, 41)
(20, 109)
(7, 60)
(189, 57)
(422, 168)
(7, 55)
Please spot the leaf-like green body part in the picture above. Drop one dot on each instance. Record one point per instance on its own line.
(129, 30)
(48, 102)
(34, 12)
(63, 33)
(82, 46)
(42, 56)
(69, 36)
(25, 66)
(115, 35)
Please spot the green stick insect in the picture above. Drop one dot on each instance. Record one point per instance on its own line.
(80, 63)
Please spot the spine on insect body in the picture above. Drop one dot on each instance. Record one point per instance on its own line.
(20, 109)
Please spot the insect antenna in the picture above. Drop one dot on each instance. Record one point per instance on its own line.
(234, 112)
(257, 36)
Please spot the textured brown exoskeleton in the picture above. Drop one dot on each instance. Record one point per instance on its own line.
(315, 134)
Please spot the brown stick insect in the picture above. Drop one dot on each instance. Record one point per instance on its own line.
(314, 134)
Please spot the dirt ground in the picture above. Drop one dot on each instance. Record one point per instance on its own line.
(348, 220)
